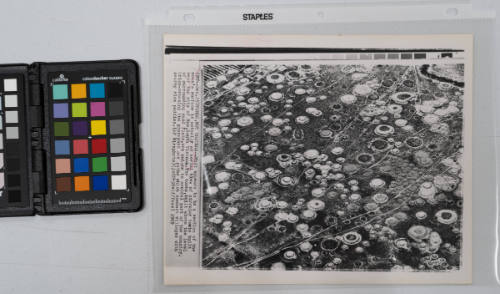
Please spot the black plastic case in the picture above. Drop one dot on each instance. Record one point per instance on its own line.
(38, 194)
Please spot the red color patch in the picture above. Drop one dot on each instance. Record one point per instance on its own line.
(80, 146)
(99, 146)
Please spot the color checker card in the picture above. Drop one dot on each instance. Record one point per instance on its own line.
(14, 153)
(87, 138)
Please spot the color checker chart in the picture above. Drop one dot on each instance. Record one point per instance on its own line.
(89, 134)
(69, 138)
(13, 151)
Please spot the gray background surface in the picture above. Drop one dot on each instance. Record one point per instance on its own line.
(120, 253)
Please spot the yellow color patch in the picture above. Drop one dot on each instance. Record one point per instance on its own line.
(98, 127)
(78, 91)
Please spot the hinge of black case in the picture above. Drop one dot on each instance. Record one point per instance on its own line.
(38, 168)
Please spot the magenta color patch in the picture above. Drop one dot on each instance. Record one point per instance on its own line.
(97, 109)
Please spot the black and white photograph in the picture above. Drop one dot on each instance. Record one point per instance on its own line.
(349, 165)
(343, 167)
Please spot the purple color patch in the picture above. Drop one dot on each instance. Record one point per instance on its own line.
(97, 109)
(80, 128)
(60, 110)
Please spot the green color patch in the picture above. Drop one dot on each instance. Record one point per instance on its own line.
(99, 164)
(61, 129)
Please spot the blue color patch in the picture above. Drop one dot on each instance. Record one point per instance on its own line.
(100, 183)
(97, 90)
(62, 147)
(60, 110)
(81, 165)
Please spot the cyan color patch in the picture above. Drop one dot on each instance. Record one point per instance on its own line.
(60, 91)
(97, 90)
